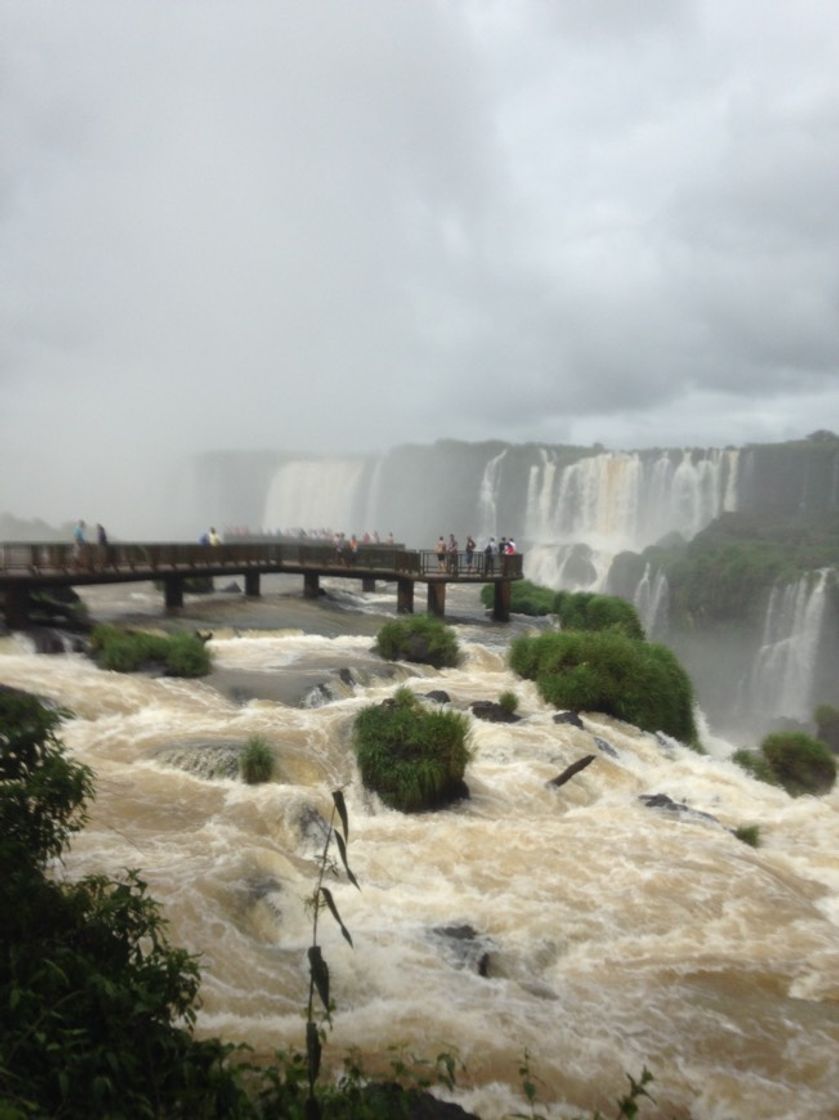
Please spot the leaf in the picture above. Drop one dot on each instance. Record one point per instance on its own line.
(342, 848)
(330, 902)
(319, 970)
(340, 805)
(313, 1050)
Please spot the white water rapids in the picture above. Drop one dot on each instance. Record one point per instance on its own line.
(618, 935)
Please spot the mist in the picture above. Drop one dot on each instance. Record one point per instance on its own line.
(330, 229)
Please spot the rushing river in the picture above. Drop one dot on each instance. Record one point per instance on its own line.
(613, 935)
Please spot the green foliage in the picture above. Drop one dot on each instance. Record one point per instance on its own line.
(800, 763)
(583, 610)
(127, 651)
(605, 671)
(413, 758)
(508, 702)
(525, 597)
(749, 834)
(256, 762)
(101, 1007)
(421, 638)
(827, 726)
(756, 764)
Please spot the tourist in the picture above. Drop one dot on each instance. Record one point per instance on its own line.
(470, 551)
(451, 548)
(214, 539)
(102, 543)
(441, 552)
(489, 553)
(79, 544)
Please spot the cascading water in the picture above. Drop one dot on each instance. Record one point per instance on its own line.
(315, 494)
(651, 601)
(488, 498)
(781, 680)
(612, 935)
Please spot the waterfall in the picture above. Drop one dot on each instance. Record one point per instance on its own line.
(781, 681)
(651, 601)
(488, 498)
(314, 494)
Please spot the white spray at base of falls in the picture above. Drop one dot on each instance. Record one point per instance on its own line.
(781, 680)
(313, 494)
(651, 601)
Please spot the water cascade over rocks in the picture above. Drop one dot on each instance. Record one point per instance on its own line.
(573, 921)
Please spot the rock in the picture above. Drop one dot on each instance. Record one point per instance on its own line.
(492, 712)
(607, 748)
(232, 588)
(465, 947)
(438, 696)
(206, 760)
(571, 770)
(50, 639)
(662, 801)
(568, 717)
(387, 1098)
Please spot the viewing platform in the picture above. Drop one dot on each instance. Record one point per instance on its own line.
(26, 568)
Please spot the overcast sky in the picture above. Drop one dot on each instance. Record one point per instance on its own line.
(340, 225)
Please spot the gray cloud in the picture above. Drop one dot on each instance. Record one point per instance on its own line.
(338, 227)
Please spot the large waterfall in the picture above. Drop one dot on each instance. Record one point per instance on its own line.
(780, 683)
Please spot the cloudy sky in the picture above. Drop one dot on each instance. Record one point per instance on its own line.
(339, 225)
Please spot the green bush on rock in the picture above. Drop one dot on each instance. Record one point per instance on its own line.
(127, 651)
(583, 610)
(800, 763)
(639, 682)
(525, 597)
(412, 757)
(421, 638)
(256, 762)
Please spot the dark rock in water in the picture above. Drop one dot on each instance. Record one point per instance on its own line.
(346, 675)
(313, 827)
(492, 712)
(464, 946)
(607, 748)
(662, 801)
(568, 717)
(438, 696)
(387, 1098)
(232, 589)
(48, 639)
(205, 760)
(571, 770)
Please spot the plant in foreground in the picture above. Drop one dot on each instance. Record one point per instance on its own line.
(256, 762)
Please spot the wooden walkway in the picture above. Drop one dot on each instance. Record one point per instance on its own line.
(26, 568)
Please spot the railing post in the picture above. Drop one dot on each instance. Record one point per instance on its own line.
(501, 605)
(311, 585)
(17, 603)
(173, 590)
(404, 596)
(437, 598)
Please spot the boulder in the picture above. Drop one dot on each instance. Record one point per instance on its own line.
(492, 712)
(607, 748)
(571, 770)
(568, 717)
(678, 808)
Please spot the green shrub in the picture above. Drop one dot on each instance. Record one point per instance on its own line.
(749, 834)
(508, 702)
(525, 597)
(639, 682)
(126, 651)
(256, 762)
(414, 758)
(584, 610)
(754, 763)
(800, 763)
(421, 638)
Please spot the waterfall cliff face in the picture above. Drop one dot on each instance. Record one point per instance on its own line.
(782, 678)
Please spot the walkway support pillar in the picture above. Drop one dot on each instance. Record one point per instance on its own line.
(501, 605)
(437, 598)
(311, 585)
(368, 583)
(252, 585)
(173, 590)
(17, 602)
(404, 596)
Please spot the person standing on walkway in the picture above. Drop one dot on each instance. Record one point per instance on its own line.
(102, 546)
(79, 544)
(214, 538)
(441, 552)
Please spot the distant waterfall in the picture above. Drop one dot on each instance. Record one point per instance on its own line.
(488, 498)
(651, 601)
(781, 682)
(628, 500)
(314, 494)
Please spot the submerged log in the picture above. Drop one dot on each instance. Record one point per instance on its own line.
(571, 770)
